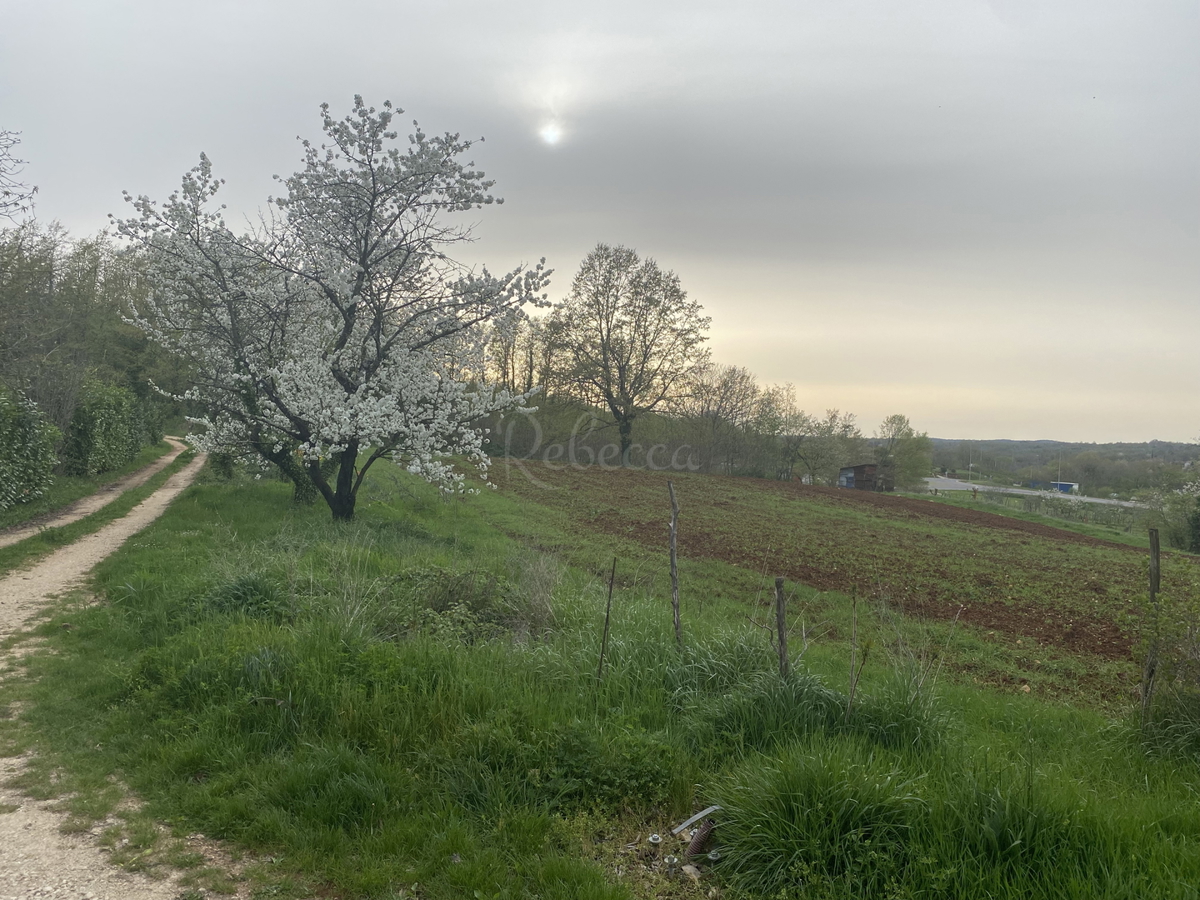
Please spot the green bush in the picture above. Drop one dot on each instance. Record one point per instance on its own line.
(107, 430)
(26, 450)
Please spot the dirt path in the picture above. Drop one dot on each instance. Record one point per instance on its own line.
(36, 859)
(90, 504)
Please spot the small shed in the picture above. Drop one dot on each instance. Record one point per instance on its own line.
(1066, 487)
(860, 478)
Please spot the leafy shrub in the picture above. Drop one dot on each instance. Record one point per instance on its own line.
(468, 606)
(106, 431)
(1177, 513)
(26, 450)
(220, 464)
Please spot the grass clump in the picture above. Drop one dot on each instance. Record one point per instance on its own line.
(252, 594)
(844, 819)
(766, 710)
(828, 819)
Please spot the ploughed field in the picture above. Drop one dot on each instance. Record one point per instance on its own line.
(1024, 581)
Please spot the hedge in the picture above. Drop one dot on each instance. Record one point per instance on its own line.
(26, 449)
(107, 431)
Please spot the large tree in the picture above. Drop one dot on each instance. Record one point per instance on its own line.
(904, 455)
(628, 336)
(337, 331)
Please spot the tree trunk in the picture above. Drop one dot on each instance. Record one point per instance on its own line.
(304, 492)
(625, 429)
(345, 493)
(304, 489)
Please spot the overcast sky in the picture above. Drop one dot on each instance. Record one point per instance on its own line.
(985, 215)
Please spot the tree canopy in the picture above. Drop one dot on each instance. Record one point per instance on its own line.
(905, 455)
(338, 330)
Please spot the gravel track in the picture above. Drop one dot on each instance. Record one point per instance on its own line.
(90, 504)
(37, 860)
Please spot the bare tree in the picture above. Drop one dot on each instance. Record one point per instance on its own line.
(16, 197)
(784, 426)
(630, 340)
(723, 400)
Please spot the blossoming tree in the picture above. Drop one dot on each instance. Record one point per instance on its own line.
(337, 331)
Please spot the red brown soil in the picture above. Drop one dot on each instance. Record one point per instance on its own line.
(1020, 579)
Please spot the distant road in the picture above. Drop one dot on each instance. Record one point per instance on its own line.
(953, 484)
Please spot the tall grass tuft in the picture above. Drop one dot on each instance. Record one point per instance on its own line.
(827, 816)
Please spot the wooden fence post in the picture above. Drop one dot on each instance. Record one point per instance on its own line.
(675, 564)
(607, 617)
(1150, 671)
(781, 628)
(1155, 569)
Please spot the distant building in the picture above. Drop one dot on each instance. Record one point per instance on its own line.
(1066, 487)
(862, 478)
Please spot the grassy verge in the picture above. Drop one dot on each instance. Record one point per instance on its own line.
(48, 540)
(66, 489)
(409, 706)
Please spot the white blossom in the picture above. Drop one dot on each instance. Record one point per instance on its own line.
(337, 330)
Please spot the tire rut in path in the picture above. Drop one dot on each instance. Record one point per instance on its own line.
(36, 858)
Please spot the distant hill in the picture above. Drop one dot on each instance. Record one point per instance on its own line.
(1101, 470)
(1029, 453)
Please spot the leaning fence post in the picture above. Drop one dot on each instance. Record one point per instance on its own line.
(607, 618)
(781, 628)
(675, 564)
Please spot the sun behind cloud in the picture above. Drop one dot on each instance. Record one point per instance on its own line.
(551, 133)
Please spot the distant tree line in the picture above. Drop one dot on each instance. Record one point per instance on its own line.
(627, 347)
(74, 377)
(341, 330)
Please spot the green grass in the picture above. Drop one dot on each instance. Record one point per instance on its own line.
(412, 699)
(66, 489)
(1136, 537)
(1058, 615)
(48, 540)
